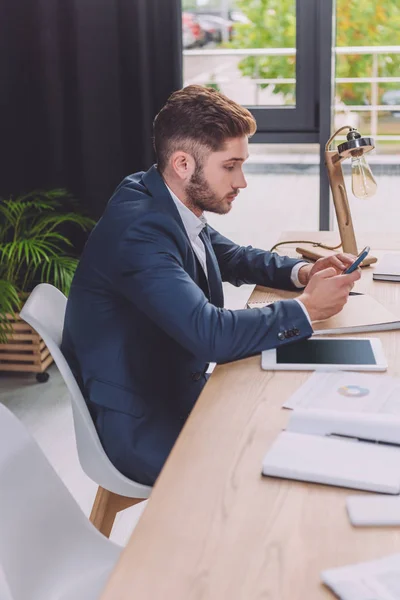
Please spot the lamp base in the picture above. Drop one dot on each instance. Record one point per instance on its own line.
(311, 252)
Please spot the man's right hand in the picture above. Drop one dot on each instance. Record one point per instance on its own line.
(327, 293)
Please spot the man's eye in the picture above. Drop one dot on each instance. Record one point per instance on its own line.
(229, 168)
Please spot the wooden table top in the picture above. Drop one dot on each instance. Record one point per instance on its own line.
(214, 528)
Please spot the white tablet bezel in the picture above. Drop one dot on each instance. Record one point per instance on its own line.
(268, 359)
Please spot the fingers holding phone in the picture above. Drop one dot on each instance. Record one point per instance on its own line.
(363, 254)
(327, 293)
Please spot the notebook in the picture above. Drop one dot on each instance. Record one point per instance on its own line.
(360, 314)
(388, 268)
(332, 448)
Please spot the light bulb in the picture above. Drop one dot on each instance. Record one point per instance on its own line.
(363, 183)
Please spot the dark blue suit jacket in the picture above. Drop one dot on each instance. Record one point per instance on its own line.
(143, 322)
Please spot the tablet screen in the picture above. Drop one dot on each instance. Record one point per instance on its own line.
(327, 352)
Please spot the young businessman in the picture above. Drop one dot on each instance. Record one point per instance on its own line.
(145, 313)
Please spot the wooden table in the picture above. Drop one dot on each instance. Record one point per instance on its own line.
(214, 529)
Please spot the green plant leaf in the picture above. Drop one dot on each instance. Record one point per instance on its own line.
(59, 270)
(9, 304)
(50, 222)
(272, 24)
(31, 250)
(34, 238)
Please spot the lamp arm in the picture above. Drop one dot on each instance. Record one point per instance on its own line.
(328, 143)
(355, 146)
(341, 203)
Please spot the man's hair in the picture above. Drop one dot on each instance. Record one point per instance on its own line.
(196, 119)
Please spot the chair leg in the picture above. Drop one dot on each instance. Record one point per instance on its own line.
(105, 508)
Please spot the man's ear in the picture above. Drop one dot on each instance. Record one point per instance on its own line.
(183, 165)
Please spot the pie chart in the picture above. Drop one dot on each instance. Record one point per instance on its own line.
(353, 391)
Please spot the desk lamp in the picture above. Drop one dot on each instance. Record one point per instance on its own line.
(363, 186)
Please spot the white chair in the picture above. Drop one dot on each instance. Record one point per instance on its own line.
(48, 548)
(45, 311)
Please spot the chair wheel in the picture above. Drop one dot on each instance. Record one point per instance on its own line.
(42, 377)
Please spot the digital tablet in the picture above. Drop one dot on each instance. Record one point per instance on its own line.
(327, 354)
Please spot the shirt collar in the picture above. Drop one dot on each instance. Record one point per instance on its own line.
(193, 224)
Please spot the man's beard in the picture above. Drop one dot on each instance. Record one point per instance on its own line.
(200, 195)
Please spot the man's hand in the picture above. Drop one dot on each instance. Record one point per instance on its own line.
(327, 293)
(340, 262)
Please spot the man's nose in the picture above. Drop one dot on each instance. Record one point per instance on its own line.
(241, 182)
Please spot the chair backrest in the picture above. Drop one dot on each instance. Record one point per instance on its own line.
(45, 312)
(45, 539)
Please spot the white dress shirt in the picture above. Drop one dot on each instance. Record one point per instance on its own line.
(194, 226)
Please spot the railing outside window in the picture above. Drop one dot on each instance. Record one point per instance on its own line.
(212, 76)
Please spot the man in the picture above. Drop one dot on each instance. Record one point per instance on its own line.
(145, 313)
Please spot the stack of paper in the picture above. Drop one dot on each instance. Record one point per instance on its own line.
(346, 391)
(373, 580)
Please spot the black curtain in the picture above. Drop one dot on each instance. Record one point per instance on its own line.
(80, 83)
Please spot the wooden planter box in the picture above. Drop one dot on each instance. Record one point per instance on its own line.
(25, 350)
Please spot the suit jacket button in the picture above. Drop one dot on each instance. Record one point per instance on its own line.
(296, 331)
(196, 376)
(281, 335)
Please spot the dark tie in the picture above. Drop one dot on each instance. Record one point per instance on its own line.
(214, 274)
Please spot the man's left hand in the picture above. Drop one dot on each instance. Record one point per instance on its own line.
(340, 262)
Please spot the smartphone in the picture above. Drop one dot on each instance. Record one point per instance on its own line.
(363, 254)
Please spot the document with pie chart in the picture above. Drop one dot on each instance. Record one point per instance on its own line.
(347, 391)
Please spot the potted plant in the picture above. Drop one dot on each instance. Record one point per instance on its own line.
(35, 247)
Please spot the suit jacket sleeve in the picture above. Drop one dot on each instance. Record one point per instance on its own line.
(239, 264)
(153, 277)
